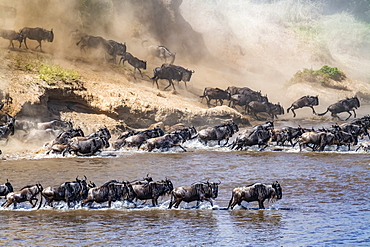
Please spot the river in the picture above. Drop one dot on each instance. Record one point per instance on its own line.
(325, 200)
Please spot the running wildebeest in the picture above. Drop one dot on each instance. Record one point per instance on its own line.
(27, 193)
(273, 110)
(215, 93)
(166, 73)
(255, 192)
(38, 34)
(218, 133)
(86, 147)
(8, 128)
(260, 137)
(345, 105)
(68, 192)
(134, 62)
(166, 141)
(152, 190)
(95, 42)
(318, 139)
(110, 192)
(139, 138)
(185, 73)
(11, 35)
(55, 125)
(305, 101)
(6, 188)
(196, 192)
(161, 52)
(118, 49)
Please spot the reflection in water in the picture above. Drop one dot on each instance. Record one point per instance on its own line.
(326, 195)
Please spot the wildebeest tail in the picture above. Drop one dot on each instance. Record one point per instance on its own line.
(322, 114)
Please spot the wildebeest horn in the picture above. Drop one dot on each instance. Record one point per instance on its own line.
(85, 178)
(219, 182)
(77, 178)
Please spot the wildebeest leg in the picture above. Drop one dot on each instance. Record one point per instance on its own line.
(313, 110)
(39, 45)
(350, 114)
(294, 115)
(260, 204)
(170, 82)
(25, 44)
(33, 199)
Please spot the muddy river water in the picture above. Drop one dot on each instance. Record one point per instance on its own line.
(325, 200)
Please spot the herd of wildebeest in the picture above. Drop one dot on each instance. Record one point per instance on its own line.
(64, 138)
(86, 193)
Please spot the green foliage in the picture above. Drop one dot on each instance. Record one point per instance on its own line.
(52, 73)
(326, 77)
(332, 72)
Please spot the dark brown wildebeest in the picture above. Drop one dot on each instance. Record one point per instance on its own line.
(118, 49)
(139, 138)
(345, 105)
(260, 137)
(217, 94)
(68, 192)
(6, 188)
(55, 125)
(11, 35)
(305, 101)
(218, 133)
(255, 192)
(61, 141)
(273, 110)
(95, 42)
(134, 62)
(86, 147)
(196, 192)
(110, 192)
(318, 139)
(152, 190)
(39, 34)
(166, 73)
(8, 128)
(185, 73)
(27, 193)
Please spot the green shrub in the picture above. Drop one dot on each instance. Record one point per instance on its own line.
(332, 72)
(51, 73)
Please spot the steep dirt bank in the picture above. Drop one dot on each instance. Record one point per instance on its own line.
(105, 94)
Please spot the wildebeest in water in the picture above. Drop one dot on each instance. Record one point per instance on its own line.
(255, 192)
(39, 34)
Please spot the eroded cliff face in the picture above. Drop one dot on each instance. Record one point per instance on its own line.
(103, 95)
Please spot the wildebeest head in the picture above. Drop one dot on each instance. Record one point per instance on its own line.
(278, 190)
(214, 188)
(50, 36)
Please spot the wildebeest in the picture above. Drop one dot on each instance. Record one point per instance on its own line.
(8, 128)
(139, 138)
(217, 94)
(86, 147)
(24, 125)
(161, 52)
(255, 192)
(134, 62)
(273, 110)
(95, 42)
(11, 35)
(37, 34)
(185, 73)
(218, 133)
(118, 49)
(166, 73)
(110, 192)
(68, 192)
(61, 141)
(318, 139)
(260, 137)
(55, 124)
(166, 142)
(6, 188)
(305, 101)
(152, 190)
(199, 192)
(27, 193)
(345, 105)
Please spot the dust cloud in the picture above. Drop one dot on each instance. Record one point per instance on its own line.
(258, 44)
